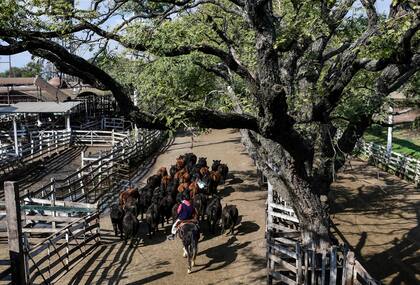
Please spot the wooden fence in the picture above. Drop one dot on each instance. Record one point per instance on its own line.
(72, 232)
(289, 262)
(403, 166)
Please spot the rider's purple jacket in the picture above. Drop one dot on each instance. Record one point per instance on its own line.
(185, 210)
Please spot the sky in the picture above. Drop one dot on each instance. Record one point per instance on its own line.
(21, 59)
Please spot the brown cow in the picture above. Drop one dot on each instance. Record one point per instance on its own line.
(130, 192)
(162, 172)
(183, 176)
(215, 178)
(165, 182)
(194, 189)
(180, 164)
(182, 187)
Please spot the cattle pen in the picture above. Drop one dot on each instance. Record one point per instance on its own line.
(65, 236)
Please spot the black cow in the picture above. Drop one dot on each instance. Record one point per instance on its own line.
(130, 225)
(214, 213)
(152, 219)
(199, 203)
(229, 218)
(223, 169)
(117, 215)
(215, 165)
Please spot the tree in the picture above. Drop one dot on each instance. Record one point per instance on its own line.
(291, 70)
(31, 69)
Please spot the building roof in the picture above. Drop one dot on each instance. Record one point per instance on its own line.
(14, 81)
(39, 107)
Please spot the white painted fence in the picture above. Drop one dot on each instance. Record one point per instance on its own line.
(404, 166)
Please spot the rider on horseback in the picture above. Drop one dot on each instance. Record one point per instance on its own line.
(185, 212)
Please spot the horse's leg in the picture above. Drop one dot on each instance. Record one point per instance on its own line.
(185, 254)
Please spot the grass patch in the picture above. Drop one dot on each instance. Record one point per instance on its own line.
(404, 140)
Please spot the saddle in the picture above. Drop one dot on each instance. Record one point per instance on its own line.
(184, 222)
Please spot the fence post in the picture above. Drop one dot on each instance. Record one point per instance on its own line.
(26, 258)
(54, 213)
(82, 159)
(66, 261)
(32, 148)
(14, 230)
(333, 265)
(269, 201)
(269, 263)
(348, 267)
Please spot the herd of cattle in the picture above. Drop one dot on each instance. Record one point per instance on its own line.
(159, 199)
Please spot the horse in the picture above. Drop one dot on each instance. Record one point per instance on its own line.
(130, 224)
(117, 215)
(189, 234)
(199, 203)
(214, 213)
(152, 219)
(229, 218)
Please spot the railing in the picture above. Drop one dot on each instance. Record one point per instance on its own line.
(97, 177)
(42, 144)
(403, 166)
(291, 263)
(57, 254)
(98, 138)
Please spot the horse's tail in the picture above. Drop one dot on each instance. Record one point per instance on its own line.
(193, 243)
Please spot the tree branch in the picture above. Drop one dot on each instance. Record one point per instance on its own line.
(219, 120)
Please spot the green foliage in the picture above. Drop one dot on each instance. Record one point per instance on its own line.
(32, 69)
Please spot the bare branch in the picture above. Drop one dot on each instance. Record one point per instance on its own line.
(369, 6)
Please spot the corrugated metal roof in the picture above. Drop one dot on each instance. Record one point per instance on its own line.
(16, 81)
(39, 107)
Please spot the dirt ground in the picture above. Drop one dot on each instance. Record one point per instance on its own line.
(378, 214)
(222, 259)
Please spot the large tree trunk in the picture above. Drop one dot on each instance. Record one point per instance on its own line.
(287, 180)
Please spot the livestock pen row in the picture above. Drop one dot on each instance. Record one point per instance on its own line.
(67, 210)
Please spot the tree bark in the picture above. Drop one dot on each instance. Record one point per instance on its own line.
(279, 168)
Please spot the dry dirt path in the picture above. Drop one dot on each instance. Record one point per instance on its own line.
(379, 216)
(221, 259)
